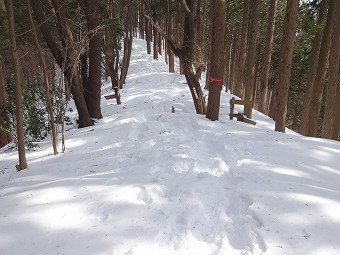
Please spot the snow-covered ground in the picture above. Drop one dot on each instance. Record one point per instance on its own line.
(145, 180)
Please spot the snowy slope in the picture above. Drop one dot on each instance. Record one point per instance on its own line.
(144, 180)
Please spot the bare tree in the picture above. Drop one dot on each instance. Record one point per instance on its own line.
(217, 59)
(239, 89)
(332, 100)
(171, 21)
(284, 68)
(313, 66)
(18, 92)
(251, 56)
(316, 98)
(93, 83)
(263, 86)
(4, 137)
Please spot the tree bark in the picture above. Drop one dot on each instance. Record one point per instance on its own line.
(155, 37)
(217, 59)
(284, 68)
(239, 89)
(148, 36)
(331, 105)
(321, 73)
(128, 38)
(93, 84)
(19, 113)
(227, 53)
(337, 116)
(170, 27)
(199, 58)
(4, 137)
(313, 66)
(251, 56)
(141, 21)
(233, 64)
(263, 99)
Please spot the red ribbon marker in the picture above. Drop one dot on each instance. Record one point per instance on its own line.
(214, 80)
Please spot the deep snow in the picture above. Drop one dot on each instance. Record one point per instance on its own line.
(145, 180)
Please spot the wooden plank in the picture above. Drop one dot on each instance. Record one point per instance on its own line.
(242, 102)
(249, 121)
(110, 96)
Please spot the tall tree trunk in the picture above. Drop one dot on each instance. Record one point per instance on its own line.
(46, 80)
(239, 89)
(233, 67)
(141, 21)
(337, 116)
(199, 61)
(313, 66)
(171, 21)
(148, 36)
(263, 99)
(227, 56)
(111, 44)
(159, 37)
(93, 84)
(155, 37)
(284, 68)
(19, 113)
(128, 37)
(4, 137)
(251, 56)
(321, 73)
(217, 59)
(329, 120)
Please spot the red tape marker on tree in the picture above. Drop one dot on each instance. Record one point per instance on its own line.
(214, 80)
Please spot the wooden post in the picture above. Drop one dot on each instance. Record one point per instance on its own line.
(232, 105)
(116, 95)
(116, 90)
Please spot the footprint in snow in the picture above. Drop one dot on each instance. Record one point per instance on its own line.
(245, 225)
(102, 213)
(175, 231)
(144, 196)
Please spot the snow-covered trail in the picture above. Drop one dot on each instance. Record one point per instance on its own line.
(145, 180)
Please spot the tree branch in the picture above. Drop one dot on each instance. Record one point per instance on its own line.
(185, 6)
(176, 50)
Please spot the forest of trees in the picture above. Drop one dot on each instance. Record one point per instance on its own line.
(283, 55)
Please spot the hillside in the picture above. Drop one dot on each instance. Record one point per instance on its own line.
(145, 180)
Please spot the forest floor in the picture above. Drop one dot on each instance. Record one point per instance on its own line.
(145, 180)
